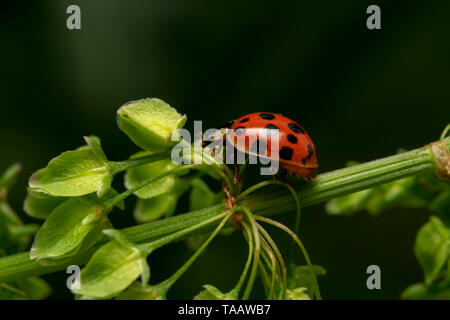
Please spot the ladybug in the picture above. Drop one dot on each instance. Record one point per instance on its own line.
(296, 154)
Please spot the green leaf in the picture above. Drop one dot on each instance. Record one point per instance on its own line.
(138, 175)
(32, 288)
(441, 204)
(74, 173)
(8, 215)
(147, 210)
(65, 228)
(348, 204)
(421, 291)
(95, 145)
(202, 197)
(300, 277)
(39, 205)
(94, 235)
(432, 248)
(297, 294)
(111, 270)
(8, 178)
(139, 292)
(150, 123)
(406, 193)
(212, 293)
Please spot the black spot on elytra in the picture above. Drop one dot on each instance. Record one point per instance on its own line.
(295, 127)
(244, 120)
(310, 151)
(286, 153)
(267, 116)
(304, 161)
(270, 127)
(258, 147)
(239, 130)
(291, 138)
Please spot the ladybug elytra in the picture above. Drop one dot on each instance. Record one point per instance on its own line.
(296, 154)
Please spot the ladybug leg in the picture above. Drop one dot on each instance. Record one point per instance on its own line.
(236, 173)
(235, 218)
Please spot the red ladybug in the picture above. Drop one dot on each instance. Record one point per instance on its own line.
(296, 154)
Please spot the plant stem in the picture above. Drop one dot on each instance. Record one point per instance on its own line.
(326, 187)
(301, 246)
(109, 204)
(166, 284)
(174, 236)
(279, 258)
(119, 166)
(268, 256)
(250, 241)
(256, 253)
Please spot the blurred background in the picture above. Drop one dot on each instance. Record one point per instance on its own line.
(361, 94)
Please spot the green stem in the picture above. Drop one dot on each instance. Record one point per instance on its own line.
(175, 236)
(165, 285)
(256, 253)
(109, 204)
(119, 166)
(250, 240)
(24, 230)
(445, 132)
(13, 289)
(278, 255)
(267, 251)
(265, 275)
(290, 189)
(326, 187)
(302, 248)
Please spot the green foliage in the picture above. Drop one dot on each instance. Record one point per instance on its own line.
(32, 288)
(212, 293)
(414, 192)
(73, 195)
(421, 291)
(39, 205)
(15, 237)
(138, 291)
(150, 123)
(113, 268)
(433, 248)
(300, 282)
(138, 175)
(147, 210)
(201, 195)
(65, 229)
(75, 173)
(297, 294)
(8, 178)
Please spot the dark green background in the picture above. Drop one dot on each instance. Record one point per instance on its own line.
(360, 94)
